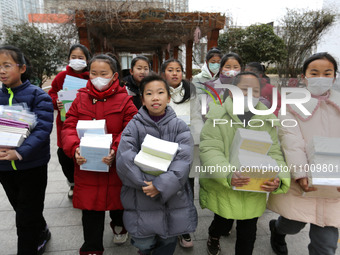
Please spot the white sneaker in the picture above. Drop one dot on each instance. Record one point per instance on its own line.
(120, 235)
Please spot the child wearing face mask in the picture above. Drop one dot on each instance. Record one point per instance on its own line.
(140, 68)
(216, 191)
(209, 70)
(319, 73)
(78, 57)
(97, 192)
(230, 66)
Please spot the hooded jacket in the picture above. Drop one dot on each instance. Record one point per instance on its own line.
(201, 78)
(216, 193)
(172, 212)
(96, 190)
(57, 85)
(35, 150)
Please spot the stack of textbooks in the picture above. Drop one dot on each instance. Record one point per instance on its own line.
(249, 155)
(69, 93)
(15, 125)
(156, 155)
(323, 155)
(95, 144)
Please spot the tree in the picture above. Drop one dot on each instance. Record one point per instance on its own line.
(300, 32)
(45, 50)
(256, 43)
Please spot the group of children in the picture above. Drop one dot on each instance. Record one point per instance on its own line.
(158, 210)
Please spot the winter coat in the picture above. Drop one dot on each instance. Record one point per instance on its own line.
(57, 85)
(216, 193)
(191, 108)
(201, 78)
(97, 190)
(35, 150)
(133, 90)
(172, 212)
(324, 121)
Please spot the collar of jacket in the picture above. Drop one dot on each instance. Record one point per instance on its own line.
(70, 71)
(144, 117)
(24, 85)
(131, 84)
(217, 111)
(313, 104)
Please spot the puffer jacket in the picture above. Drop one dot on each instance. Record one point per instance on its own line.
(56, 86)
(35, 150)
(324, 121)
(216, 193)
(201, 78)
(172, 212)
(97, 190)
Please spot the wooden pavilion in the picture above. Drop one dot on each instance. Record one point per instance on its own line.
(151, 30)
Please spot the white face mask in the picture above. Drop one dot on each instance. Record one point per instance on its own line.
(101, 83)
(318, 86)
(230, 73)
(255, 101)
(77, 64)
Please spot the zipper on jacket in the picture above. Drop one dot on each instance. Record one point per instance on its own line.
(10, 100)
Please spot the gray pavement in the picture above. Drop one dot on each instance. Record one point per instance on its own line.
(65, 224)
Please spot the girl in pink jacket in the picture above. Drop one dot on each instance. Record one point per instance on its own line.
(302, 204)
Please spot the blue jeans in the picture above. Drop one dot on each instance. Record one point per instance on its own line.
(323, 240)
(155, 244)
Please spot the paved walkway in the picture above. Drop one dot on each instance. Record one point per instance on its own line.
(65, 224)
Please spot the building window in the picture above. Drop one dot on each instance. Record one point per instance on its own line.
(54, 11)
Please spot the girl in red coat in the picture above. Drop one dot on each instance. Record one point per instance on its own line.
(97, 192)
(78, 57)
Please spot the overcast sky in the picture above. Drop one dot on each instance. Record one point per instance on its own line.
(247, 12)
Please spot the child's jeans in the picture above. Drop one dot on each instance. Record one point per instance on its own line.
(155, 244)
(245, 233)
(25, 190)
(323, 240)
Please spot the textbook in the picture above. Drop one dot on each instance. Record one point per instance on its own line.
(93, 148)
(73, 83)
(91, 126)
(248, 153)
(323, 155)
(10, 140)
(258, 167)
(251, 140)
(66, 97)
(156, 155)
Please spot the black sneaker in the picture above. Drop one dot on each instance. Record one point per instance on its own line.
(277, 241)
(44, 237)
(213, 246)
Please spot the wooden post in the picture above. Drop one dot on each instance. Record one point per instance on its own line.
(188, 58)
(167, 55)
(83, 37)
(176, 48)
(155, 63)
(213, 38)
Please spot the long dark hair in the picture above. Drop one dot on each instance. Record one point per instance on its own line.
(189, 88)
(18, 58)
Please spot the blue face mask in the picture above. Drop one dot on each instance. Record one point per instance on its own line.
(214, 67)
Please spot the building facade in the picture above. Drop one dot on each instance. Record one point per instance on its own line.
(14, 12)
